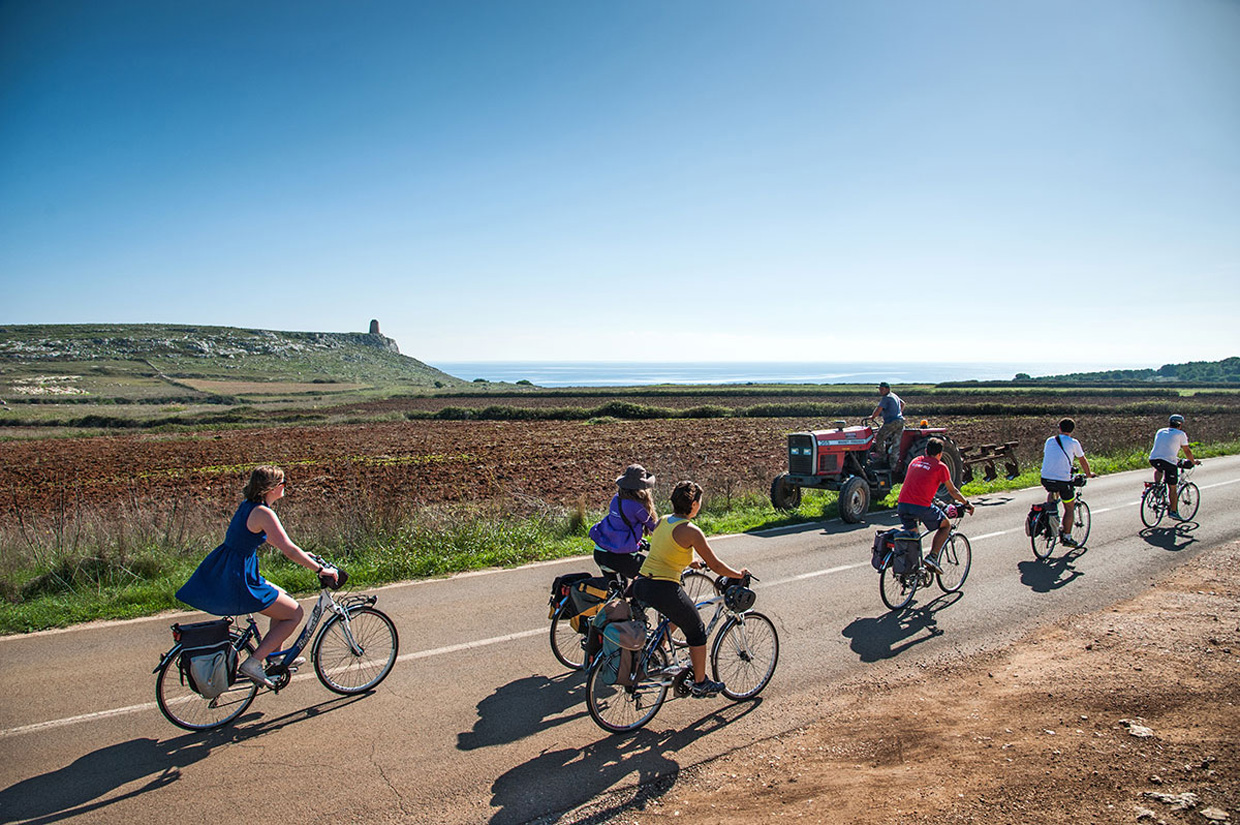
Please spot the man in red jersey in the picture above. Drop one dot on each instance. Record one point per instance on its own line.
(925, 474)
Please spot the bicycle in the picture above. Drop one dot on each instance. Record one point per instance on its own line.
(353, 652)
(568, 644)
(955, 558)
(743, 656)
(1044, 527)
(1156, 500)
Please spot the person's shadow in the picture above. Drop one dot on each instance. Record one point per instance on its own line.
(894, 632)
(519, 708)
(1173, 538)
(77, 788)
(521, 794)
(1051, 574)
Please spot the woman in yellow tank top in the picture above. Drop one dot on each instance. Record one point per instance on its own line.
(672, 545)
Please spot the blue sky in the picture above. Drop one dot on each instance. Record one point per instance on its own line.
(906, 180)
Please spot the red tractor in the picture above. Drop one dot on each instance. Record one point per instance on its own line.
(844, 458)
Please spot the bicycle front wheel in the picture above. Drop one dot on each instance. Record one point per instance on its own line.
(1189, 500)
(186, 708)
(744, 655)
(1152, 507)
(566, 643)
(355, 656)
(897, 589)
(955, 559)
(1080, 523)
(619, 708)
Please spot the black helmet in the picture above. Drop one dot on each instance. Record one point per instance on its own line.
(739, 598)
(1176, 420)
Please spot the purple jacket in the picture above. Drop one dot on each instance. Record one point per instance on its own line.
(614, 535)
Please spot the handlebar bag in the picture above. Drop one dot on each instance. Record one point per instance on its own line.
(208, 661)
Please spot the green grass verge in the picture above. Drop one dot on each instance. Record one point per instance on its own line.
(143, 582)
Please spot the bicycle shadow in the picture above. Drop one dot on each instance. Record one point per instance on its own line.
(583, 774)
(77, 788)
(1048, 575)
(1173, 539)
(520, 708)
(889, 635)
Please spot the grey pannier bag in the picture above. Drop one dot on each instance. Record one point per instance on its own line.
(208, 660)
(623, 636)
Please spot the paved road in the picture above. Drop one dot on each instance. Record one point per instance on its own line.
(477, 723)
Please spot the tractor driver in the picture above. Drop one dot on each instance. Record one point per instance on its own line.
(916, 503)
(891, 408)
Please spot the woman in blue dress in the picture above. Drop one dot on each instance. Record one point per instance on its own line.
(227, 582)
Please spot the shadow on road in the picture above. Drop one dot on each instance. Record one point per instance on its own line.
(1173, 538)
(893, 633)
(79, 787)
(577, 775)
(519, 708)
(1051, 574)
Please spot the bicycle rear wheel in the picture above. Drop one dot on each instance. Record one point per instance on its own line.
(566, 643)
(621, 709)
(1044, 538)
(744, 655)
(184, 707)
(1153, 507)
(955, 559)
(699, 587)
(1189, 500)
(355, 657)
(897, 589)
(1080, 523)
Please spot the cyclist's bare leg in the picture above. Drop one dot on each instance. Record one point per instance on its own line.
(1173, 491)
(286, 614)
(1069, 512)
(940, 536)
(697, 655)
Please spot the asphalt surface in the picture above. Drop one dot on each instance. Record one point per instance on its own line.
(479, 723)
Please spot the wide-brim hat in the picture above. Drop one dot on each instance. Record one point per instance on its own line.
(635, 478)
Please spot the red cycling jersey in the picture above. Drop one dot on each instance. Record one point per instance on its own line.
(922, 480)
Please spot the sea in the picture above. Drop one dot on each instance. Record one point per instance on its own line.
(644, 373)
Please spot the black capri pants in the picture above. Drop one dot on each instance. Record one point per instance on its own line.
(670, 599)
(626, 564)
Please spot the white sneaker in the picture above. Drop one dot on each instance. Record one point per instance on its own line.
(252, 669)
(293, 665)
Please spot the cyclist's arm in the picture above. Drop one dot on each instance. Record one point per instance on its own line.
(264, 519)
(690, 535)
(958, 496)
(1085, 466)
(1188, 451)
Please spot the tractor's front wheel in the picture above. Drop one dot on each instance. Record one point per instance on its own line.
(784, 494)
(854, 499)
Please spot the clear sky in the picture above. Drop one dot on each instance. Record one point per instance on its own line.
(687, 180)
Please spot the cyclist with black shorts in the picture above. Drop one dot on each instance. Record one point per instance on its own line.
(1168, 442)
(1057, 456)
(658, 585)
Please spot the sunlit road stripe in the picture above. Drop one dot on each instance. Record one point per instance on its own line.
(441, 651)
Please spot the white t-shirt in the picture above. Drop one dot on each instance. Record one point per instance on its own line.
(1057, 463)
(1167, 444)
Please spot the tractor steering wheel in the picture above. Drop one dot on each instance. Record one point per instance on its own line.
(870, 422)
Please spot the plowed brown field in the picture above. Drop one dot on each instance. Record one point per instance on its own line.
(425, 462)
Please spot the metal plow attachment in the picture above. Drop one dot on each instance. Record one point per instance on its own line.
(990, 455)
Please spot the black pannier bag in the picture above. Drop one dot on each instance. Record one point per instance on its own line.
(560, 588)
(884, 542)
(208, 660)
(1033, 522)
(908, 551)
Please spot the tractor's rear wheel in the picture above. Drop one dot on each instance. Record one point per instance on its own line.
(784, 494)
(854, 499)
(950, 456)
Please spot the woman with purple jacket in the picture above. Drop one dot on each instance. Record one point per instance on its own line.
(630, 516)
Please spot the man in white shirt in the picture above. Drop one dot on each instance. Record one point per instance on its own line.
(1057, 456)
(1164, 458)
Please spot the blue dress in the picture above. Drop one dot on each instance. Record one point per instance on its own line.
(227, 582)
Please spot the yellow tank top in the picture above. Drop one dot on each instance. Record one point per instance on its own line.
(666, 559)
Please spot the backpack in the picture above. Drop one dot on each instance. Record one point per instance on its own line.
(622, 637)
(208, 659)
(586, 597)
(908, 551)
(884, 542)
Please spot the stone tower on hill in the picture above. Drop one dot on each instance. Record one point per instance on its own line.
(374, 327)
